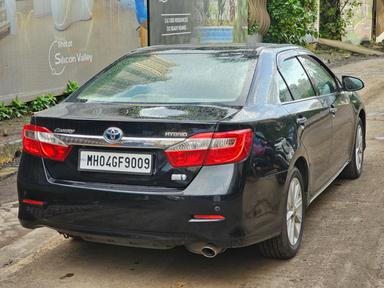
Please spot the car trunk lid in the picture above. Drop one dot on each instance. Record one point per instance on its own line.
(147, 129)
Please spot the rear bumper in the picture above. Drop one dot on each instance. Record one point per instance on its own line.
(150, 222)
(162, 220)
(147, 219)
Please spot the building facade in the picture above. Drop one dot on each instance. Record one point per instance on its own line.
(45, 43)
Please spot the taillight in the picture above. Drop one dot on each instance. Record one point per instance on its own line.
(41, 142)
(211, 149)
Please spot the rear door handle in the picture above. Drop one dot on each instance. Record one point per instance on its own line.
(333, 110)
(301, 121)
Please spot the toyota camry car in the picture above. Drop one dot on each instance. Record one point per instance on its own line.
(210, 148)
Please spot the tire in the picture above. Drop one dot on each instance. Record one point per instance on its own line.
(71, 237)
(355, 167)
(285, 246)
(77, 239)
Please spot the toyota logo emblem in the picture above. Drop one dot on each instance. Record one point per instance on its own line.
(113, 135)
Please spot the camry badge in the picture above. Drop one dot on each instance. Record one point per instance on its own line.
(113, 135)
(65, 131)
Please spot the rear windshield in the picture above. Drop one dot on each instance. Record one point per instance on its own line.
(220, 77)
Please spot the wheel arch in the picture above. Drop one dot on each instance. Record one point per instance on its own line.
(302, 165)
(362, 116)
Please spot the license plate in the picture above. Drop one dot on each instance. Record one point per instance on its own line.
(133, 163)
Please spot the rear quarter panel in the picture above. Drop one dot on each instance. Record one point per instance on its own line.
(275, 148)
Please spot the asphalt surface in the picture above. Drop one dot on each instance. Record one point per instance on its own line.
(343, 243)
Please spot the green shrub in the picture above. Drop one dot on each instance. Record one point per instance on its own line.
(19, 108)
(291, 20)
(5, 112)
(42, 102)
(253, 29)
(72, 86)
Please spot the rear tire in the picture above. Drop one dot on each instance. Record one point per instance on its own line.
(355, 167)
(71, 237)
(286, 245)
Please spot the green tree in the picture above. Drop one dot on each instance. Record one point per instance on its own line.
(335, 17)
(291, 20)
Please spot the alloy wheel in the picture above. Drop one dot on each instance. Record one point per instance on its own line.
(294, 211)
(359, 149)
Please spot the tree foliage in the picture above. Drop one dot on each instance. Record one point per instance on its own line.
(335, 17)
(291, 20)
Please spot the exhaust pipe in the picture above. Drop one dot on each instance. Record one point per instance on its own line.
(207, 250)
(210, 251)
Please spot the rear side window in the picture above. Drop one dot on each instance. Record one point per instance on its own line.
(296, 79)
(284, 93)
(177, 77)
(323, 81)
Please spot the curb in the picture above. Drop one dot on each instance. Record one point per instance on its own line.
(9, 150)
(7, 172)
(23, 251)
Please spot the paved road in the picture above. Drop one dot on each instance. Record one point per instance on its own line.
(343, 242)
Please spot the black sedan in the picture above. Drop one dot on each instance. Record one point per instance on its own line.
(205, 147)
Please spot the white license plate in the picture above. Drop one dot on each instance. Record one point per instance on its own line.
(115, 162)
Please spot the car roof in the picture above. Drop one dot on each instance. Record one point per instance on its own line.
(212, 48)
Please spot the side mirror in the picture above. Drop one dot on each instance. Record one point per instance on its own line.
(352, 83)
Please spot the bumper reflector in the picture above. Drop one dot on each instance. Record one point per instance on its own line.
(206, 218)
(32, 202)
(216, 217)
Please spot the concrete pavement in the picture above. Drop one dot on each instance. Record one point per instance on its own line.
(343, 242)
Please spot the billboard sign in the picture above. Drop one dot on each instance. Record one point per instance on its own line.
(45, 43)
(197, 21)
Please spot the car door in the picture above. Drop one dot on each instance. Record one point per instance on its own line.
(314, 123)
(340, 109)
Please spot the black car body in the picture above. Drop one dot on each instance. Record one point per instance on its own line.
(288, 118)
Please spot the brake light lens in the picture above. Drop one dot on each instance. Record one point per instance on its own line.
(211, 149)
(41, 142)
